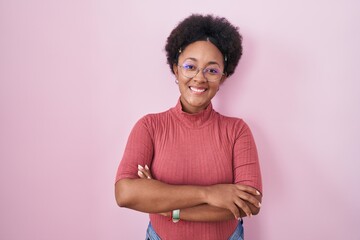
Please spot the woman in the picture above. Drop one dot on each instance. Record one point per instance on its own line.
(190, 164)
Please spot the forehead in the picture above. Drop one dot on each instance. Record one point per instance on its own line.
(202, 51)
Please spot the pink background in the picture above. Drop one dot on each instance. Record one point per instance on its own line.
(76, 75)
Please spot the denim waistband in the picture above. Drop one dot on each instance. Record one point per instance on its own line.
(239, 232)
(151, 234)
(237, 235)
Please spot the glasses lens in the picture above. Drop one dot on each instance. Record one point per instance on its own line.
(212, 74)
(189, 70)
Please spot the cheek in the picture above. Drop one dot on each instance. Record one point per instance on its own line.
(182, 85)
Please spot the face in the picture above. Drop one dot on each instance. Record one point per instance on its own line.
(197, 92)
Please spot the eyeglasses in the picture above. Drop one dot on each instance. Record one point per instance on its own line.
(211, 73)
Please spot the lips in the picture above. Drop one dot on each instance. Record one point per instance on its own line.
(197, 90)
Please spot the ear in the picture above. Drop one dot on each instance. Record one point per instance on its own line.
(176, 70)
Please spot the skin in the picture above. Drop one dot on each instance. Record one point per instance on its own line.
(197, 203)
(203, 54)
(204, 212)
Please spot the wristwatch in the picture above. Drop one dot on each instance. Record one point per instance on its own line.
(176, 215)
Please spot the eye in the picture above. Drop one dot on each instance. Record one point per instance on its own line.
(189, 67)
(212, 71)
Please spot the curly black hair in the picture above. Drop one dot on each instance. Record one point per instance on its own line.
(217, 30)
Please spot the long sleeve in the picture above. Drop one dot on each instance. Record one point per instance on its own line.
(139, 150)
(246, 162)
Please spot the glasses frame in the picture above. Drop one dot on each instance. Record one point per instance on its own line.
(197, 72)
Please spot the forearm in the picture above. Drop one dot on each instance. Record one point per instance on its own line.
(153, 196)
(205, 213)
(208, 213)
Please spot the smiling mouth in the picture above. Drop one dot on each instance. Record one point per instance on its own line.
(197, 90)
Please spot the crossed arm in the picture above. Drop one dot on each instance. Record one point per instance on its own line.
(197, 203)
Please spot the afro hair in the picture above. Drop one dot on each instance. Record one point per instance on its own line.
(217, 30)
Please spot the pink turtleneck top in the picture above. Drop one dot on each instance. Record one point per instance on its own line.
(192, 149)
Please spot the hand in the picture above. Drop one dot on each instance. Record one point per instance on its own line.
(144, 172)
(233, 197)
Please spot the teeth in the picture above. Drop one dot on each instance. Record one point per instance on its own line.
(197, 90)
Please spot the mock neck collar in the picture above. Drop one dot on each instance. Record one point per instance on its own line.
(194, 120)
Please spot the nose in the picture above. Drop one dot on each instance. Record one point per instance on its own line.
(200, 76)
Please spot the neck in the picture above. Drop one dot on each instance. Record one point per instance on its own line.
(192, 110)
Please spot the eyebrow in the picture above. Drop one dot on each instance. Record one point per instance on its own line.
(209, 63)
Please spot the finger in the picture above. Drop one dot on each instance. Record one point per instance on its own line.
(142, 169)
(244, 207)
(248, 189)
(235, 211)
(141, 172)
(249, 198)
(141, 175)
(147, 172)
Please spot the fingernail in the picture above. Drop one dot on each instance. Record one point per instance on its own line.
(259, 205)
(250, 215)
(140, 173)
(239, 218)
(146, 167)
(257, 192)
(140, 167)
(149, 177)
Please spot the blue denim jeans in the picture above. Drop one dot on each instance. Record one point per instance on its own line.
(237, 235)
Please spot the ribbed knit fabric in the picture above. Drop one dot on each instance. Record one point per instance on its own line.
(194, 149)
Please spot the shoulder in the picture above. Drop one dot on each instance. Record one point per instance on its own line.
(235, 125)
(231, 121)
(152, 120)
(148, 125)
(154, 117)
